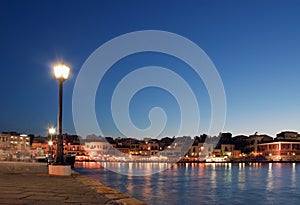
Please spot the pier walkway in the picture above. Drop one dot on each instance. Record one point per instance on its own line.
(29, 183)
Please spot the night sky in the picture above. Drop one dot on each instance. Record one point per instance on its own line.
(255, 46)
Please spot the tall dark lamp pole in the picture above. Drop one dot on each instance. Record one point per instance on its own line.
(61, 72)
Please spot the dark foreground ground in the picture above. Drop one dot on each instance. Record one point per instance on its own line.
(29, 183)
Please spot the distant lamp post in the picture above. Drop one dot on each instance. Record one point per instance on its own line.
(51, 132)
(61, 72)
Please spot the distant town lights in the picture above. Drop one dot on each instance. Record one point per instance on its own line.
(61, 71)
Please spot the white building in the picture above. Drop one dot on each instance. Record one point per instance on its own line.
(20, 142)
(98, 150)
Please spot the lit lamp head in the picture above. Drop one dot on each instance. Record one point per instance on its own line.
(51, 131)
(61, 72)
(50, 143)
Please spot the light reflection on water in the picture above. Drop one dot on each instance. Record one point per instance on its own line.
(257, 183)
(270, 178)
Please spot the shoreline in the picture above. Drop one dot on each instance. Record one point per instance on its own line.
(244, 162)
(187, 162)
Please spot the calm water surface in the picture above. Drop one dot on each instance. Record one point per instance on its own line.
(273, 183)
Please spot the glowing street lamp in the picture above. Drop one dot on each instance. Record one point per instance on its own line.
(51, 132)
(61, 72)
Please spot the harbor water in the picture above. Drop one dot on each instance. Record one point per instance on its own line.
(204, 183)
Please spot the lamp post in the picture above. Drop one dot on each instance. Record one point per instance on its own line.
(61, 72)
(51, 132)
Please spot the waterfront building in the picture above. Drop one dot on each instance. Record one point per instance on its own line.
(286, 146)
(217, 153)
(123, 150)
(74, 148)
(154, 147)
(42, 147)
(148, 148)
(225, 153)
(227, 150)
(73, 139)
(4, 141)
(98, 150)
(195, 150)
(135, 149)
(240, 142)
(14, 146)
(93, 138)
(165, 142)
(253, 142)
(280, 150)
(288, 135)
(20, 143)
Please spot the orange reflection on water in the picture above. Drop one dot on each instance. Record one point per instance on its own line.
(88, 164)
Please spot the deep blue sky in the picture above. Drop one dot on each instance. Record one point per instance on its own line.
(255, 45)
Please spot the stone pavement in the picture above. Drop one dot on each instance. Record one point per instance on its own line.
(29, 183)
